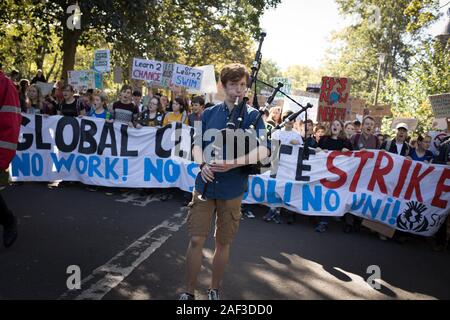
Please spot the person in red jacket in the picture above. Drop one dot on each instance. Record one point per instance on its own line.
(10, 120)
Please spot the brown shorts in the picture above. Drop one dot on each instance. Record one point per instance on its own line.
(228, 216)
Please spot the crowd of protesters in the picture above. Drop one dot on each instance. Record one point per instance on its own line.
(158, 110)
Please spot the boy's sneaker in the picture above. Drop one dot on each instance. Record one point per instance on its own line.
(248, 214)
(321, 227)
(186, 296)
(213, 294)
(270, 215)
(277, 218)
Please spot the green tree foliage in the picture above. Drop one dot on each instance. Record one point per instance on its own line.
(414, 66)
(392, 28)
(302, 75)
(186, 31)
(269, 69)
(429, 75)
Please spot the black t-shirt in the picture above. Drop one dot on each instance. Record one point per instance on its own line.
(71, 109)
(147, 120)
(311, 142)
(40, 79)
(444, 152)
(327, 143)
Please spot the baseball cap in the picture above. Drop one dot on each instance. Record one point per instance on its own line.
(402, 125)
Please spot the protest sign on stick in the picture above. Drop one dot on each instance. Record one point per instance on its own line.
(82, 80)
(209, 83)
(187, 77)
(46, 88)
(333, 101)
(441, 105)
(102, 61)
(147, 70)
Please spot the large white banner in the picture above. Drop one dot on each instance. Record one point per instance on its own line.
(98, 153)
(376, 185)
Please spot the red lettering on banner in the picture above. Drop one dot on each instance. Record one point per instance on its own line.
(414, 183)
(402, 177)
(441, 187)
(379, 173)
(365, 156)
(331, 168)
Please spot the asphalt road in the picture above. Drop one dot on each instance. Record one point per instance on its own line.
(132, 246)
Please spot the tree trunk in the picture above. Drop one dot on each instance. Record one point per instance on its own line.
(40, 56)
(55, 62)
(69, 49)
(57, 72)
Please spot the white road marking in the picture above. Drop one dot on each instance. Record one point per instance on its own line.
(108, 276)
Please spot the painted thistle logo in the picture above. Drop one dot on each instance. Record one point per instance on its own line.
(412, 218)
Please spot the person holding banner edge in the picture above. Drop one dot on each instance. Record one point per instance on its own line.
(228, 184)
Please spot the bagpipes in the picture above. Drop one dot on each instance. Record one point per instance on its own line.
(256, 168)
(233, 126)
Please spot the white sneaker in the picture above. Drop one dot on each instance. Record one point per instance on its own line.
(213, 294)
(186, 296)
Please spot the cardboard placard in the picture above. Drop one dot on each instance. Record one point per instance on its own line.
(379, 227)
(439, 124)
(380, 111)
(441, 105)
(333, 101)
(357, 105)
